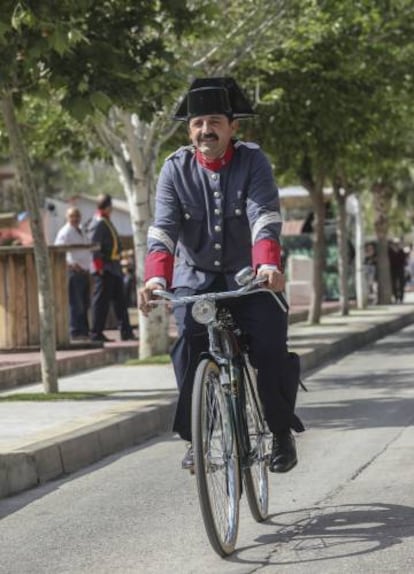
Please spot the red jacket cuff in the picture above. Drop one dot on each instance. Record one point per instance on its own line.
(98, 264)
(159, 264)
(266, 251)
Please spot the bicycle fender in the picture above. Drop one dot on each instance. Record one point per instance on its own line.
(206, 355)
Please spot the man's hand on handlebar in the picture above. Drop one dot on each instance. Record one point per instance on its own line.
(269, 277)
(146, 295)
(274, 279)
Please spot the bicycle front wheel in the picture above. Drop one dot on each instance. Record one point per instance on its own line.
(215, 458)
(256, 478)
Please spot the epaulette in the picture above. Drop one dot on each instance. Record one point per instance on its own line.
(249, 145)
(189, 148)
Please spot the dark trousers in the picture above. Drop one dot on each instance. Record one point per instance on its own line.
(108, 288)
(398, 285)
(79, 300)
(261, 319)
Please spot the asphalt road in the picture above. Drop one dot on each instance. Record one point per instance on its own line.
(348, 507)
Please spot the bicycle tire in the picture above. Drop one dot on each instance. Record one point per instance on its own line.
(256, 479)
(216, 462)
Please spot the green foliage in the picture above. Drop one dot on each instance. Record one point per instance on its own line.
(69, 60)
(335, 89)
(57, 144)
(51, 133)
(99, 53)
(332, 79)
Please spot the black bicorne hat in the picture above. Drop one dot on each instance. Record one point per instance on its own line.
(214, 96)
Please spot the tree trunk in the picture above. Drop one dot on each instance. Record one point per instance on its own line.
(314, 185)
(319, 256)
(135, 159)
(315, 189)
(361, 283)
(342, 242)
(42, 263)
(153, 330)
(382, 193)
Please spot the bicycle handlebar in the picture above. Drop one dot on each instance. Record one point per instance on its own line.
(248, 289)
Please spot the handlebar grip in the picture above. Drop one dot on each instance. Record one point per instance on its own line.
(164, 294)
(258, 281)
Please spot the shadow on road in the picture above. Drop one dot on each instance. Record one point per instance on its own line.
(359, 413)
(385, 381)
(331, 533)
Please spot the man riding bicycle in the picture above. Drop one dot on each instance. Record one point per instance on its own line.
(217, 211)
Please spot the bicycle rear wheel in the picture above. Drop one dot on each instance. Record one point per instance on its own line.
(215, 458)
(256, 478)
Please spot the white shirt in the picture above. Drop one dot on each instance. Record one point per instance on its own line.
(70, 235)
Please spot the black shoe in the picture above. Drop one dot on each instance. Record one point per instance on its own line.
(129, 337)
(101, 337)
(283, 457)
(79, 338)
(188, 460)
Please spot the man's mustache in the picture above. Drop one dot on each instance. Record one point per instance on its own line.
(208, 137)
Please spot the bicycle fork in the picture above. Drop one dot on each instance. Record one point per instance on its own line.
(232, 387)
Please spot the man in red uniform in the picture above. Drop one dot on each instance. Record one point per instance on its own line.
(107, 272)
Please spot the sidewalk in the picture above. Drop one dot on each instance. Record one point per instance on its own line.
(23, 366)
(41, 441)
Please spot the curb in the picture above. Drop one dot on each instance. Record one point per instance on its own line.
(319, 357)
(66, 453)
(19, 375)
(301, 316)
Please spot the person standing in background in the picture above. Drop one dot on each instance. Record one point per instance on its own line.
(398, 263)
(370, 266)
(108, 276)
(78, 263)
(130, 284)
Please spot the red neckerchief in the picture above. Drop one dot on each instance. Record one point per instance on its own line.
(218, 163)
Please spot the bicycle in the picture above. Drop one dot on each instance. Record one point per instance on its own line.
(230, 438)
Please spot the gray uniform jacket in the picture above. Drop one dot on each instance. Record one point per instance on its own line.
(209, 222)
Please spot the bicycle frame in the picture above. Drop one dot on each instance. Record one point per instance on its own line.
(225, 350)
(228, 427)
(234, 375)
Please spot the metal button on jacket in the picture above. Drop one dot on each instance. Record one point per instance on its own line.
(238, 212)
(217, 263)
(217, 228)
(187, 216)
(217, 194)
(217, 246)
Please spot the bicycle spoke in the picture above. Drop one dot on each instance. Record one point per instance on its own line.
(216, 466)
(256, 474)
(216, 461)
